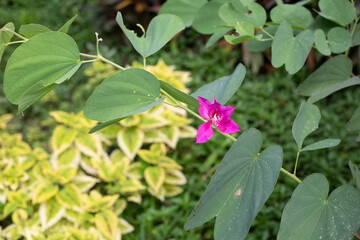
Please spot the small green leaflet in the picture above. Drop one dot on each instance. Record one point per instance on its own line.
(306, 121)
(312, 214)
(239, 188)
(161, 29)
(339, 11)
(123, 94)
(321, 43)
(223, 88)
(295, 15)
(6, 36)
(326, 143)
(66, 26)
(339, 40)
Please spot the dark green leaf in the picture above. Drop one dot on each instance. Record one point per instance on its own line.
(123, 94)
(66, 26)
(326, 143)
(312, 214)
(223, 88)
(179, 95)
(207, 18)
(354, 123)
(32, 29)
(239, 188)
(295, 15)
(356, 174)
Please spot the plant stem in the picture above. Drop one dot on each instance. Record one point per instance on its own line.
(144, 61)
(88, 55)
(178, 104)
(110, 62)
(15, 42)
(296, 162)
(92, 60)
(267, 33)
(15, 33)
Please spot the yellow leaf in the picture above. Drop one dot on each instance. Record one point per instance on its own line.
(106, 222)
(62, 138)
(84, 182)
(50, 213)
(130, 121)
(44, 191)
(19, 217)
(135, 170)
(167, 162)
(172, 191)
(70, 197)
(155, 177)
(130, 185)
(88, 144)
(172, 135)
(130, 141)
(63, 117)
(148, 122)
(149, 156)
(174, 177)
(125, 227)
(135, 197)
(120, 206)
(65, 174)
(69, 157)
(154, 136)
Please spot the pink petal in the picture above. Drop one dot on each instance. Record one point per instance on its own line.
(228, 127)
(224, 112)
(205, 132)
(205, 108)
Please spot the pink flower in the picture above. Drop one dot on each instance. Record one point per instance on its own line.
(218, 115)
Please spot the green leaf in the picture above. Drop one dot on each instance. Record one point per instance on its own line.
(243, 11)
(155, 177)
(124, 226)
(289, 50)
(223, 88)
(6, 36)
(32, 29)
(174, 177)
(339, 11)
(326, 143)
(259, 46)
(295, 15)
(45, 58)
(66, 26)
(242, 183)
(356, 174)
(161, 29)
(106, 223)
(312, 214)
(179, 95)
(130, 141)
(321, 42)
(333, 72)
(44, 191)
(245, 32)
(339, 39)
(185, 9)
(50, 213)
(69, 196)
(104, 125)
(62, 137)
(306, 121)
(2, 48)
(207, 19)
(125, 93)
(217, 35)
(354, 122)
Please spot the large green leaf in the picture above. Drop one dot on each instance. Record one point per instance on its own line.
(32, 29)
(312, 214)
(239, 188)
(238, 11)
(354, 122)
(161, 29)
(207, 19)
(339, 39)
(123, 94)
(333, 73)
(339, 11)
(326, 143)
(185, 9)
(295, 15)
(289, 50)
(223, 88)
(45, 58)
(306, 121)
(356, 174)
(179, 95)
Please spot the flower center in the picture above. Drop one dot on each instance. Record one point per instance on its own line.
(216, 119)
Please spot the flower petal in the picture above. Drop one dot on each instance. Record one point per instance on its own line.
(228, 127)
(205, 132)
(205, 108)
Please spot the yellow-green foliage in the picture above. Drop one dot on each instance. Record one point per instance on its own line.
(57, 195)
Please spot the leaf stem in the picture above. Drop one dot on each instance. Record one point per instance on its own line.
(15, 33)
(267, 33)
(144, 61)
(15, 42)
(296, 162)
(287, 173)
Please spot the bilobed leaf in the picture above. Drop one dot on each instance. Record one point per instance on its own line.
(242, 183)
(130, 141)
(289, 50)
(354, 122)
(223, 88)
(45, 58)
(326, 143)
(123, 94)
(339, 11)
(339, 40)
(206, 19)
(32, 29)
(64, 28)
(50, 213)
(6, 36)
(161, 29)
(185, 9)
(295, 15)
(321, 42)
(312, 214)
(179, 95)
(106, 222)
(356, 174)
(44, 191)
(69, 196)
(155, 177)
(306, 121)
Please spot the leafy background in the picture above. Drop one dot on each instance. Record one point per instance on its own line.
(266, 100)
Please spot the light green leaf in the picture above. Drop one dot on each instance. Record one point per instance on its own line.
(206, 19)
(130, 141)
(242, 183)
(306, 121)
(66, 26)
(106, 222)
(238, 11)
(50, 213)
(32, 29)
(355, 173)
(161, 29)
(289, 50)
(321, 42)
(102, 125)
(354, 122)
(295, 15)
(44, 191)
(332, 73)
(155, 177)
(45, 58)
(125, 227)
(62, 137)
(179, 95)
(123, 94)
(339, 39)
(185, 9)
(6, 36)
(339, 11)
(326, 143)
(312, 214)
(217, 35)
(69, 196)
(223, 88)
(245, 32)
(2, 48)
(259, 46)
